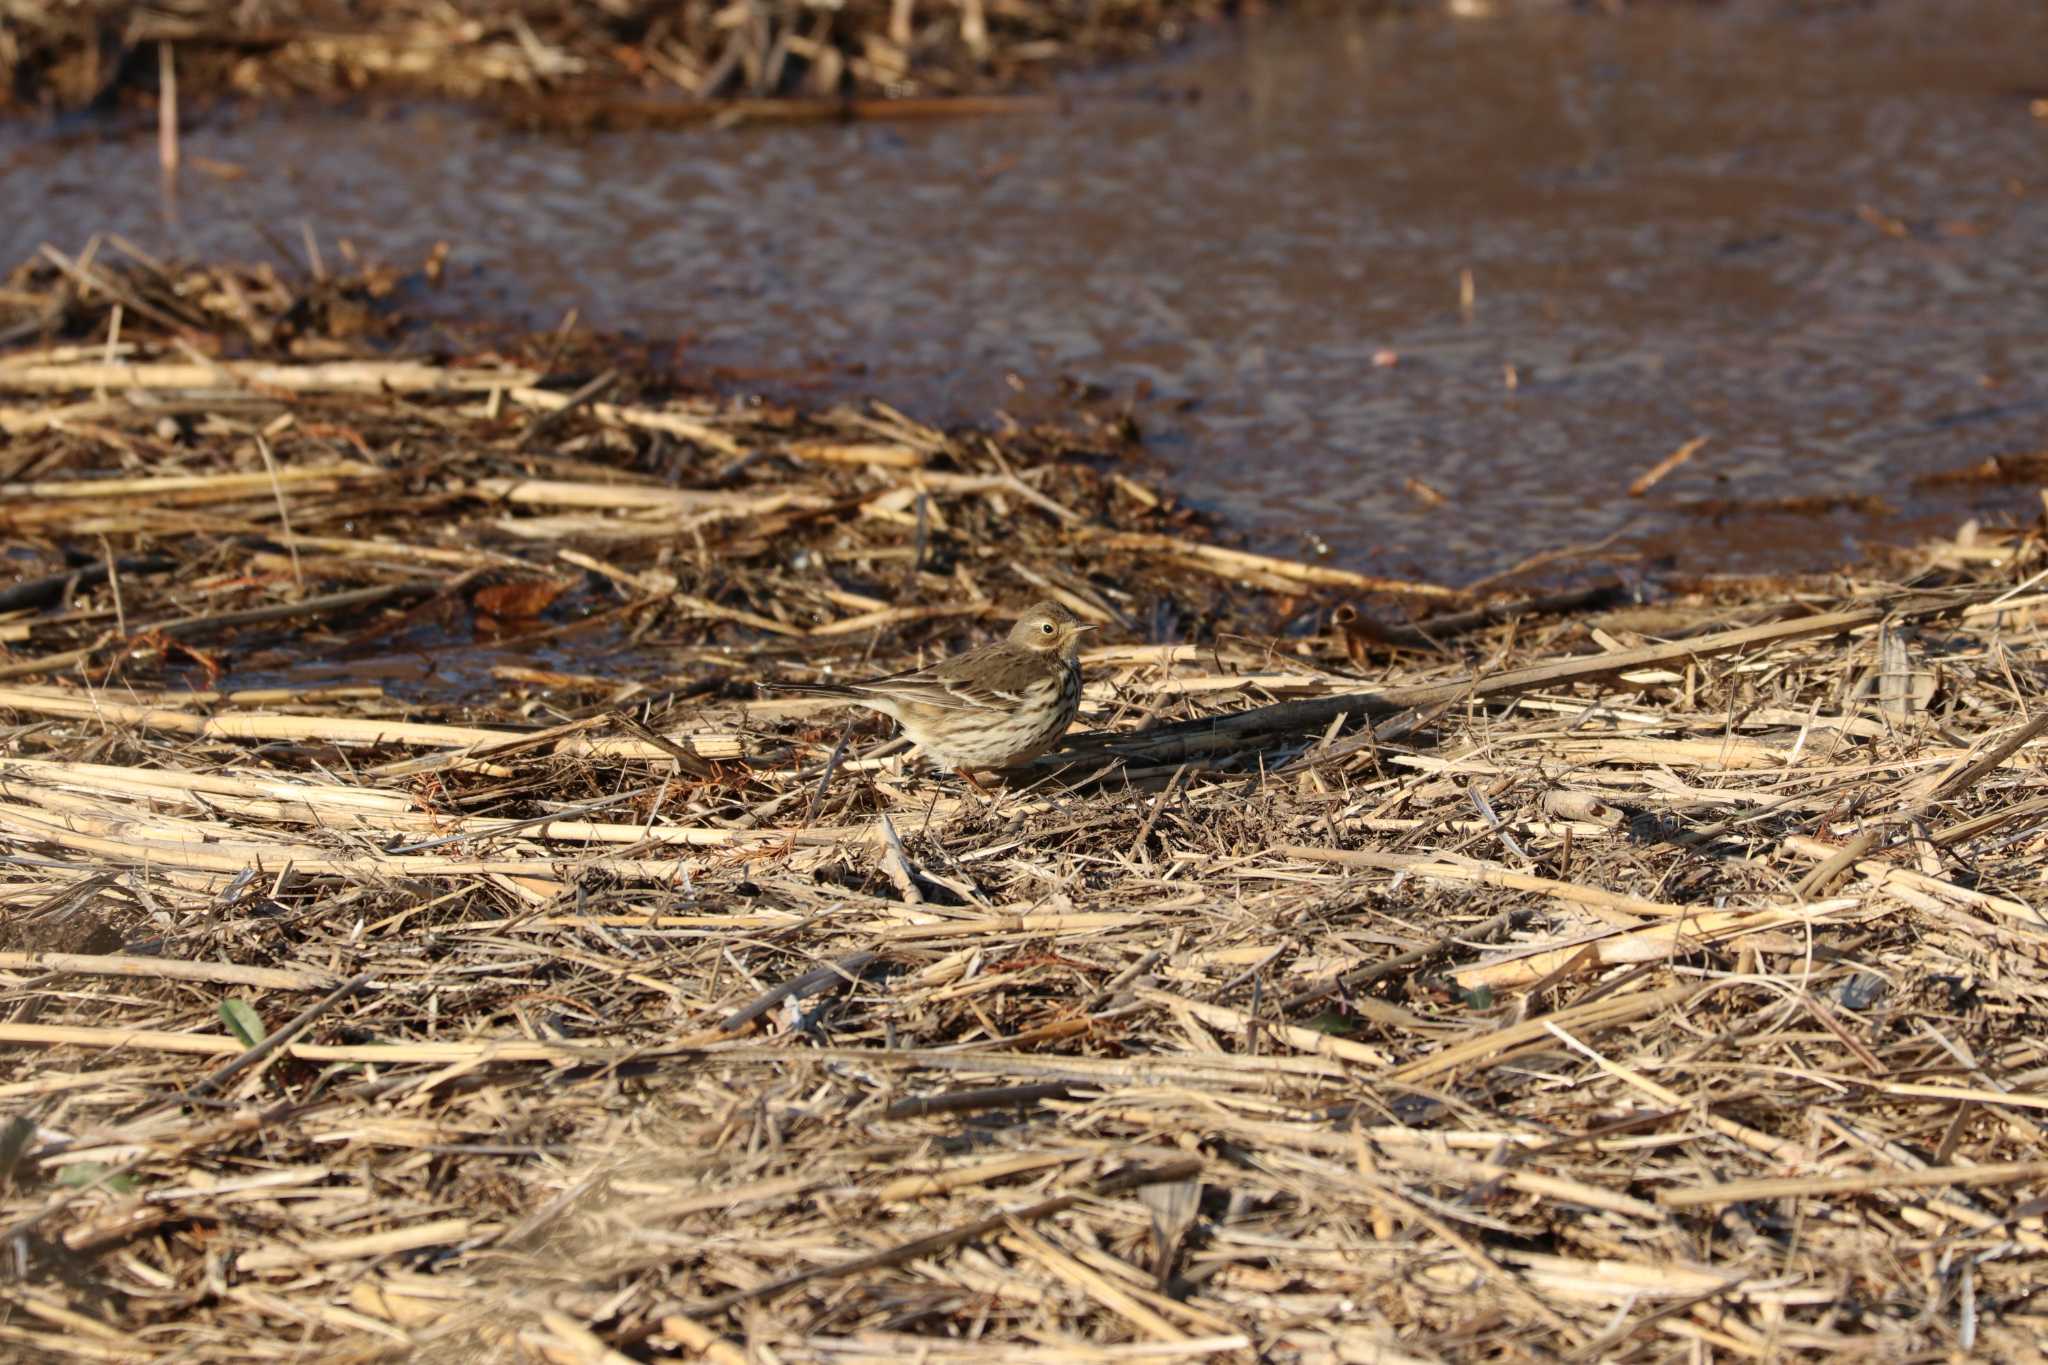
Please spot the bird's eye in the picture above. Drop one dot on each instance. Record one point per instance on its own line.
(1046, 628)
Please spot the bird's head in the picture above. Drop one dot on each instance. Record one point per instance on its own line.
(1048, 628)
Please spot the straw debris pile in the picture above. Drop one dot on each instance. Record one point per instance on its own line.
(73, 55)
(420, 941)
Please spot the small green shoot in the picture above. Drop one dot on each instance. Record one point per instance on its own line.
(243, 1022)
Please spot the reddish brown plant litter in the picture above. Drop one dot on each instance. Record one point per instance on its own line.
(1643, 981)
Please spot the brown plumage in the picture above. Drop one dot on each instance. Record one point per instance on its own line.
(991, 707)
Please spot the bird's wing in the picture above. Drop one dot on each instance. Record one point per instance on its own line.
(976, 681)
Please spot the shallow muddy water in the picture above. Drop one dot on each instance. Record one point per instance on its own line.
(1818, 239)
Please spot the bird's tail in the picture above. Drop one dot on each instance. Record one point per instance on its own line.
(807, 689)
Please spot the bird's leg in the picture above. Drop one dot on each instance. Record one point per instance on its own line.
(972, 781)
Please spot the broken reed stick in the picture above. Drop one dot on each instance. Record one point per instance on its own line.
(1654, 475)
(167, 109)
(1432, 630)
(373, 548)
(174, 317)
(1415, 957)
(1240, 1024)
(311, 695)
(623, 496)
(1689, 926)
(571, 1341)
(1489, 1048)
(168, 969)
(584, 394)
(369, 377)
(440, 1232)
(132, 782)
(221, 1045)
(187, 487)
(1473, 1253)
(1955, 784)
(54, 588)
(890, 617)
(129, 849)
(1205, 1069)
(880, 454)
(701, 1339)
(1834, 1186)
(1427, 865)
(1963, 830)
(845, 971)
(1885, 875)
(1948, 786)
(1186, 1168)
(668, 421)
(974, 1174)
(1190, 737)
(312, 606)
(1654, 944)
(1123, 1302)
(981, 1097)
(315, 729)
(1424, 1156)
(1218, 559)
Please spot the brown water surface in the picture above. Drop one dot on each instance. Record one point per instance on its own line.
(1819, 238)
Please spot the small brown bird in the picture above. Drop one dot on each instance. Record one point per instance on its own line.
(990, 707)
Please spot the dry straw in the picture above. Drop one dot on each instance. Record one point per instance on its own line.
(454, 960)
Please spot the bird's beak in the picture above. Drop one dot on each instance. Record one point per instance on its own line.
(1092, 625)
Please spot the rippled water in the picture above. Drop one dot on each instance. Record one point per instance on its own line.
(1819, 239)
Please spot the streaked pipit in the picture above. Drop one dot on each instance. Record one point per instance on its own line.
(988, 708)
